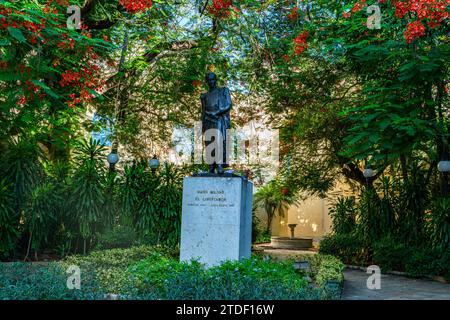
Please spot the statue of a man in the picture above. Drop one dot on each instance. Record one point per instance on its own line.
(216, 106)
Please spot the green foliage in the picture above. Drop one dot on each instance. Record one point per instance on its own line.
(245, 279)
(262, 236)
(109, 266)
(330, 269)
(348, 247)
(87, 196)
(259, 234)
(40, 214)
(390, 255)
(8, 220)
(343, 215)
(153, 201)
(120, 236)
(24, 281)
(147, 272)
(440, 219)
(274, 201)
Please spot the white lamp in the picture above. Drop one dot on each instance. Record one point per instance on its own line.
(368, 172)
(154, 163)
(113, 158)
(444, 166)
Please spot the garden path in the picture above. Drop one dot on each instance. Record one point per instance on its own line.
(393, 287)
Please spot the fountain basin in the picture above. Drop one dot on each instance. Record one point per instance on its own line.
(291, 243)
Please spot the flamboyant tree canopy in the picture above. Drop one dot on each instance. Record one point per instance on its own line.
(341, 92)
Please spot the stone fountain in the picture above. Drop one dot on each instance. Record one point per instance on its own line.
(291, 242)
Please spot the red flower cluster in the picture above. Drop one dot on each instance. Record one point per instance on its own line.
(196, 83)
(70, 78)
(83, 81)
(293, 16)
(22, 101)
(414, 30)
(434, 11)
(62, 3)
(300, 43)
(135, 6)
(221, 8)
(346, 14)
(358, 6)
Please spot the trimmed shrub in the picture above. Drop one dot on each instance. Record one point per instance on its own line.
(25, 281)
(348, 247)
(391, 255)
(245, 279)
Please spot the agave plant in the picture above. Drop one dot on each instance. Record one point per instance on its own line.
(88, 197)
(41, 216)
(441, 223)
(8, 219)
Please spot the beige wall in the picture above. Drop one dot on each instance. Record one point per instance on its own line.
(311, 216)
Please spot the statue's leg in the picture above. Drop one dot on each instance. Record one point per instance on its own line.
(224, 162)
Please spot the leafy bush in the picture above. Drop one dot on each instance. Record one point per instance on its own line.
(441, 224)
(8, 220)
(348, 247)
(262, 237)
(330, 269)
(155, 273)
(390, 254)
(426, 262)
(41, 216)
(274, 199)
(153, 202)
(109, 266)
(259, 234)
(24, 281)
(120, 236)
(245, 279)
(343, 214)
(87, 196)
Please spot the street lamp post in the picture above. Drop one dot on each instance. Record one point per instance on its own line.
(113, 158)
(369, 173)
(444, 168)
(154, 164)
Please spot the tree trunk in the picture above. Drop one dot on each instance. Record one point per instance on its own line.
(269, 221)
(28, 247)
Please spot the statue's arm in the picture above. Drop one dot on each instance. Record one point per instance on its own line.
(228, 102)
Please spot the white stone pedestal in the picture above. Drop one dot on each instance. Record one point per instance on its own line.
(216, 223)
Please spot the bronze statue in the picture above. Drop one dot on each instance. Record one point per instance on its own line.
(216, 106)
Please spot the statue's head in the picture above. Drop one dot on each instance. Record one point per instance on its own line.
(211, 80)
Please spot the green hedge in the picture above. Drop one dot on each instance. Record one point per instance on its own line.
(245, 279)
(155, 273)
(25, 281)
(390, 255)
(348, 247)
